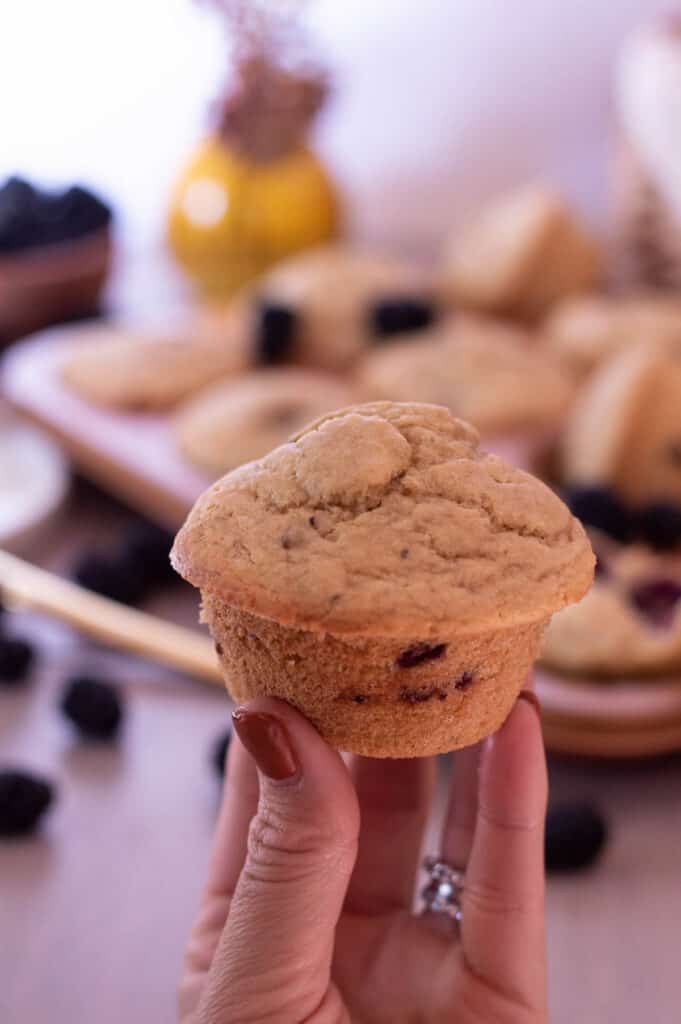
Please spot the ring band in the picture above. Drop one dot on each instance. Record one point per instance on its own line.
(442, 892)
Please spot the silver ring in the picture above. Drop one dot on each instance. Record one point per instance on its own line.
(442, 892)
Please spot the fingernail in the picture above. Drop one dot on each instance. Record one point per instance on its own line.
(268, 743)
(532, 699)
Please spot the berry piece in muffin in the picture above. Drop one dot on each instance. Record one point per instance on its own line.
(385, 576)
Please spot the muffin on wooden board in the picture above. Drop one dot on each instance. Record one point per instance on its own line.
(324, 308)
(239, 420)
(122, 368)
(585, 330)
(384, 576)
(520, 255)
(624, 431)
(629, 624)
(491, 374)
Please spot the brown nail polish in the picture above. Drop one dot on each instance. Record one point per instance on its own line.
(268, 743)
(532, 699)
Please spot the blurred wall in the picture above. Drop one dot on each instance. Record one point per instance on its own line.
(437, 104)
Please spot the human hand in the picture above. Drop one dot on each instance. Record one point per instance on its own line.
(307, 916)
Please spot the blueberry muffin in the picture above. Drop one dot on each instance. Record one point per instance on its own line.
(324, 308)
(384, 576)
(520, 255)
(628, 625)
(485, 371)
(586, 330)
(624, 431)
(121, 368)
(239, 420)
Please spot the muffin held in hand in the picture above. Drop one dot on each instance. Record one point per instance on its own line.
(384, 576)
(239, 420)
(519, 256)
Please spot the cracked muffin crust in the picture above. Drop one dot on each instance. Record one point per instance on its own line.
(384, 576)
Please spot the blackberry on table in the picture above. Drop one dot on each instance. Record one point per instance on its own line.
(146, 550)
(575, 836)
(110, 577)
(93, 706)
(24, 798)
(219, 752)
(16, 659)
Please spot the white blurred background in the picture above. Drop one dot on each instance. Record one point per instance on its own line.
(436, 105)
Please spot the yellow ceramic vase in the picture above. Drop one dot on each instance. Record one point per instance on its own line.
(232, 217)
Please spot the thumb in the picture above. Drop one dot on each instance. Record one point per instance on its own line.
(274, 958)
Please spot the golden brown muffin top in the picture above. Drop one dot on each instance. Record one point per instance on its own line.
(385, 519)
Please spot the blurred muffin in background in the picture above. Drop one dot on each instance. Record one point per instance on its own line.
(123, 368)
(489, 373)
(624, 431)
(647, 171)
(324, 308)
(629, 624)
(519, 256)
(585, 330)
(55, 254)
(241, 420)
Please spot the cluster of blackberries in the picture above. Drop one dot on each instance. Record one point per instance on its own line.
(30, 217)
(132, 569)
(657, 524)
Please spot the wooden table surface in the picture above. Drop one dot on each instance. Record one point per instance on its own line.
(94, 910)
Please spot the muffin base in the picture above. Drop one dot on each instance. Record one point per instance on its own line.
(378, 696)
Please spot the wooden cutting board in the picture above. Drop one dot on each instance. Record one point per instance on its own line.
(134, 457)
(131, 455)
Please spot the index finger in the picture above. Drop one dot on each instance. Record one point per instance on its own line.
(502, 927)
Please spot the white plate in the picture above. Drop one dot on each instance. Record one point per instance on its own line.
(33, 481)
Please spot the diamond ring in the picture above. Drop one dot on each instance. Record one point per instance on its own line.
(442, 892)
